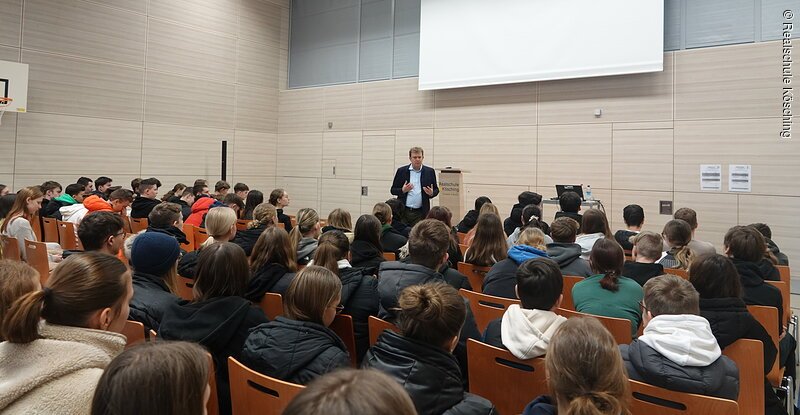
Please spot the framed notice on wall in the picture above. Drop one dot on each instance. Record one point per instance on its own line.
(711, 177)
(740, 178)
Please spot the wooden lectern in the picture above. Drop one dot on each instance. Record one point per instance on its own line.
(451, 191)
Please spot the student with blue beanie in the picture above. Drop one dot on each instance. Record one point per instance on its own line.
(154, 257)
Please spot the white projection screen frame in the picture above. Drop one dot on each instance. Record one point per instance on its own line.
(485, 42)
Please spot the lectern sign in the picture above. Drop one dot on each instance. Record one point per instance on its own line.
(451, 190)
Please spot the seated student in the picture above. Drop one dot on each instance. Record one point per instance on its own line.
(398, 210)
(102, 231)
(350, 391)
(526, 330)
(16, 279)
(366, 250)
(489, 245)
(254, 198)
(102, 184)
(304, 235)
(221, 189)
(391, 239)
(135, 185)
(272, 264)
(487, 208)
(471, 218)
(766, 232)
(570, 204)
(17, 223)
(221, 227)
(661, 356)
(50, 191)
(359, 297)
(514, 220)
(185, 201)
(60, 338)
(87, 183)
(72, 195)
(443, 214)
(717, 282)
(299, 346)
(118, 202)
(6, 203)
(340, 219)
(147, 199)
(745, 247)
(154, 259)
(609, 293)
(501, 280)
(677, 234)
(218, 317)
(564, 251)
(200, 189)
(280, 199)
(430, 318)
(241, 190)
(593, 228)
(167, 218)
(174, 195)
(698, 247)
(633, 215)
(234, 202)
(200, 209)
(263, 217)
(531, 217)
(646, 251)
(599, 388)
(177, 370)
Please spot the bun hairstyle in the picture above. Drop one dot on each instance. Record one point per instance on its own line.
(600, 388)
(219, 221)
(80, 285)
(678, 234)
(432, 313)
(307, 220)
(311, 291)
(178, 370)
(608, 258)
(263, 214)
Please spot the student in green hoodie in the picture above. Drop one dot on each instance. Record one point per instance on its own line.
(72, 195)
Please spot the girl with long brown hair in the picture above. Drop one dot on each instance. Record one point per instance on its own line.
(17, 223)
(489, 245)
(272, 264)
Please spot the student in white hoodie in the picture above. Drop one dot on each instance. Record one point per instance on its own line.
(526, 330)
(678, 350)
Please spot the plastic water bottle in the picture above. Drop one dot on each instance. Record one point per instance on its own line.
(589, 193)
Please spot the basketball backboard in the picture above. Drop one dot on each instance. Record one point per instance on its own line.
(14, 85)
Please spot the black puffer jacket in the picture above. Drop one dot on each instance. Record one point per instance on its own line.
(221, 325)
(623, 237)
(430, 375)
(469, 221)
(642, 272)
(773, 247)
(294, 351)
(401, 227)
(755, 291)
(151, 297)
(360, 300)
(248, 237)
(271, 278)
(187, 266)
(365, 255)
(391, 240)
(645, 364)
(141, 206)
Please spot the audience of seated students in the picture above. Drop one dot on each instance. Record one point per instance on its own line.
(340, 219)
(471, 218)
(501, 279)
(593, 228)
(60, 338)
(662, 356)
(350, 391)
(280, 199)
(178, 371)
(608, 293)
(50, 191)
(16, 279)
(17, 223)
(677, 234)
(398, 210)
(167, 218)
(304, 235)
(633, 215)
(599, 388)
(570, 204)
(87, 183)
(241, 190)
(254, 198)
(220, 227)
(219, 318)
(717, 282)
(102, 184)
(298, 347)
(366, 250)
(221, 189)
(174, 195)
(200, 209)
(531, 217)
(234, 202)
(772, 247)
(489, 245)
(391, 239)
(272, 264)
(147, 198)
(487, 208)
(647, 248)
(263, 217)
(698, 247)
(154, 259)
(526, 329)
(564, 251)
(359, 298)
(102, 231)
(72, 195)
(420, 357)
(514, 219)
(443, 214)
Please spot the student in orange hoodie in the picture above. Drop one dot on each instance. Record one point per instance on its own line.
(118, 201)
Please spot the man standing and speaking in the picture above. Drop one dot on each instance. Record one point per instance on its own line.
(415, 185)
